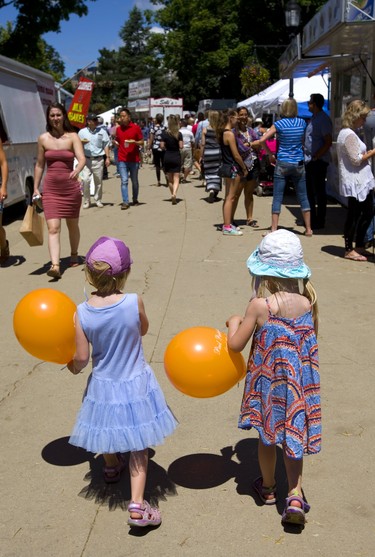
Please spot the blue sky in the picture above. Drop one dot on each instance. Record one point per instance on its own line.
(80, 38)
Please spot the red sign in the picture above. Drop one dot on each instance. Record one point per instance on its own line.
(79, 106)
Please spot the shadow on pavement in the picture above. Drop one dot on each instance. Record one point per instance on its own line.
(158, 485)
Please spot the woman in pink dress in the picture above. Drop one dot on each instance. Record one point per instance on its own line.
(61, 190)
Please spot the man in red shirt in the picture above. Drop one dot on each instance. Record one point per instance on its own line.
(129, 139)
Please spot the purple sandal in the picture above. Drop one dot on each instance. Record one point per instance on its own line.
(112, 474)
(295, 515)
(151, 516)
(266, 494)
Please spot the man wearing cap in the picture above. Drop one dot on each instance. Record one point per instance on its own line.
(129, 139)
(95, 141)
(258, 127)
(318, 140)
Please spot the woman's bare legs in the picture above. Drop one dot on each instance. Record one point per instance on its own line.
(74, 235)
(307, 220)
(54, 229)
(138, 464)
(274, 221)
(3, 238)
(176, 183)
(249, 199)
(232, 193)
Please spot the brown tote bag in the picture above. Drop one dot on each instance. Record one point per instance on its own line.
(32, 227)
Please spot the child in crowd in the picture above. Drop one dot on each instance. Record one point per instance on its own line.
(123, 407)
(282, 389)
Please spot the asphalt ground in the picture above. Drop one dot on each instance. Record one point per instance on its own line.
(54, 501)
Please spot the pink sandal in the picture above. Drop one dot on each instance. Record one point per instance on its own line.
(266, 494)
(151, 516)
(293, 514)
(112, 474)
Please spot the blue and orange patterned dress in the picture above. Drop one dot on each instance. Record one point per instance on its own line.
(281, 398)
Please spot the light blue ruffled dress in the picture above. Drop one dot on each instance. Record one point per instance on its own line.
(123, 407)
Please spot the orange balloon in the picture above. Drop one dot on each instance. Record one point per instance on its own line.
(199, 363)
(43, 323)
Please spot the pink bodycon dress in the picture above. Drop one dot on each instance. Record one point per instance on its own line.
(62, 196)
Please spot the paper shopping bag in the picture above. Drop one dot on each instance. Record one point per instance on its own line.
(32, 227)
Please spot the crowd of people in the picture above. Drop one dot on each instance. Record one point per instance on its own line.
(226, 148)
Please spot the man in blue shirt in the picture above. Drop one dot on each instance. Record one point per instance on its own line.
(318, 140)
(95, 142)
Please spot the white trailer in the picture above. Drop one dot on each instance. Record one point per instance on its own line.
(166, 106)
(24, 95)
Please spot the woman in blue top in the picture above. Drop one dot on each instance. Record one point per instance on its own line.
(290, 134)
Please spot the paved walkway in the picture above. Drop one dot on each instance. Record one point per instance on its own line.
(54, 502)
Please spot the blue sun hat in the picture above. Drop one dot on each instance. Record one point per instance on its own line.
(279, 255)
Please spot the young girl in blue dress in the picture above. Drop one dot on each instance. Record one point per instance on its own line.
(282, 390)
(123, 408)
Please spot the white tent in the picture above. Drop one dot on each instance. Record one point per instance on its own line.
(271, 98)
(107, 115)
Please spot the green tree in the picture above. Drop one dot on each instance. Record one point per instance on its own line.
(208, 43)
(46, 58)
(36, 17)
(138, 58)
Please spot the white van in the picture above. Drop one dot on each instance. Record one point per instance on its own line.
(24, 95)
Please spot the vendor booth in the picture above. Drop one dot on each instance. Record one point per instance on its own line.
(340, 38)
(270, 100)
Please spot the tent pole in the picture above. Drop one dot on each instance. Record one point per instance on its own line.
(291, 93)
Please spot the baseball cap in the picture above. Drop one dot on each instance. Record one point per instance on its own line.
(111, 251)
(279, 255)
(258, 121)
(91, 116)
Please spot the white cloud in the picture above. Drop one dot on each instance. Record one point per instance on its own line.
(157, 30)
(146, 5)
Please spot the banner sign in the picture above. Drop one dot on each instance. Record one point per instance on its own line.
(139, 89)
(166, 101)
(79, 106)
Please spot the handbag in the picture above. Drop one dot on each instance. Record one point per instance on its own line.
(245, 151)
(32, 227)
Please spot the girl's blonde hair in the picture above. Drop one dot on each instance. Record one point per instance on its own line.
(289, 108)
(271, 285)
(104, 283)
(173, 125)
(356, 109)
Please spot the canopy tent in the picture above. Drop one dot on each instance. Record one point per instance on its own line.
(107, 115)
(271, 98)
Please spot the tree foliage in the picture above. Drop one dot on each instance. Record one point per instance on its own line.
(46, 58)
(138, 58)
(36, 17)
(209, 42)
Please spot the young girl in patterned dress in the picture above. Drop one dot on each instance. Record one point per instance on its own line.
(282, 391)
(123, 408)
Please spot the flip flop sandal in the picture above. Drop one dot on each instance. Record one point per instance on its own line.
(74, 260)
(358, 257)
(151, 516)
(295, 515)
(112, 474)
(266, 494)
(253, 223)
(54, 271)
